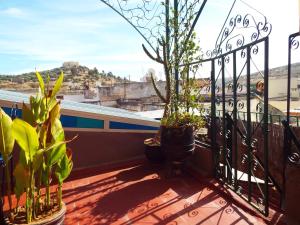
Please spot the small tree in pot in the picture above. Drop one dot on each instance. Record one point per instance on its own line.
(42, 156)
(181, 117)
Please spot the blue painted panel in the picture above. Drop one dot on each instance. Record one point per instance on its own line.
(89, 123)
(8, 111)
(129, 126)
(68, 121)
(81, 122)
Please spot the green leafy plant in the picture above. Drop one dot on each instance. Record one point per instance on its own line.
(6, 147)
(43, 153)
(182, 105)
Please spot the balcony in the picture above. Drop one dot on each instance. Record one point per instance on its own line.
(140, 194)
(113, 183)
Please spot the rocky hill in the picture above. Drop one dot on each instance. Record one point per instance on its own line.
(76, 77)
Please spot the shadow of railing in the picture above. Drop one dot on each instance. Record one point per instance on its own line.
(140, 194)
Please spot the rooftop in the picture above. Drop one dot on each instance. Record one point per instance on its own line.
(141, 194)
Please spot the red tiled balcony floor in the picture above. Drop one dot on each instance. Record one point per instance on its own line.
(140, 195)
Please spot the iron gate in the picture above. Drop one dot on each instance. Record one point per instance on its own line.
(233, 134)
(291, 143)
(238, 116)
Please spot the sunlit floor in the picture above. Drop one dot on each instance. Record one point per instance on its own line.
(141, 195)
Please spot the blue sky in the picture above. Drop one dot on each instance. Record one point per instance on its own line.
(43, 34)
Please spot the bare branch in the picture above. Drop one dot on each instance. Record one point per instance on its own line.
(157, 59)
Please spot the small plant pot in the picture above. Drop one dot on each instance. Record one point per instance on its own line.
(55, 219)
(154, 153)
(178, 143)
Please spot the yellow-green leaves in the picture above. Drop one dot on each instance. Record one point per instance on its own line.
(58, 135)
(41, 82)
(41, 138)
(57, 85)
(63, 169)
(37, 160)
(6, 138)
(26, 137)
(27, 114)
(55, 113)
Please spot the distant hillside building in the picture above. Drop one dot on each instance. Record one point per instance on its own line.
(70, 64)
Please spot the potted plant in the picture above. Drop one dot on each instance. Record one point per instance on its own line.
(43, 156)
(181, 117)
(153, 150)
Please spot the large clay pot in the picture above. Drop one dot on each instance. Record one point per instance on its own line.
(177, 142)
(55, 219)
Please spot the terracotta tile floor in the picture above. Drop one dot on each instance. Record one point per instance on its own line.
(140, 195)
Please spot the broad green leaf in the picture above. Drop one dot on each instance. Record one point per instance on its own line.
(6, 137)
(52, 103)
(63, 169)
(43, 110)
(54, 113)
(26, 137)
(57, 130)
(37, 159)
(58, 135)
(57, 85)
(43, 135)
(58, 152)
(35, 107)
(41, 82)
(21, 175)
(27, 115)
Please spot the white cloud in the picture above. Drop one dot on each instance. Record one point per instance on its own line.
(13, 12)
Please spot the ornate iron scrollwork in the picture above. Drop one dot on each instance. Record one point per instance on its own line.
(232, 37)
(254, 49)
(239, 87)
(294, 157)
(294, 43)
(255, 165)
(152, 18)
(240, 104)
(231, 103)
(244, 158)
(259, 107)
(146, 16)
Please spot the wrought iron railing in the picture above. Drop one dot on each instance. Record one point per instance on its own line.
(272, 118)
(293, 156)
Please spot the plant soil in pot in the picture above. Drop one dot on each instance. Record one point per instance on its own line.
(53, 217)
(153, 151)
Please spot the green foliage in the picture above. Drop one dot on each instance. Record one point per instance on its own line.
(27, 138)
(42, 143)
(63, 169)
(57, 85)
(41, 82)
(6, 146)
(7, 140)
(176, 52)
